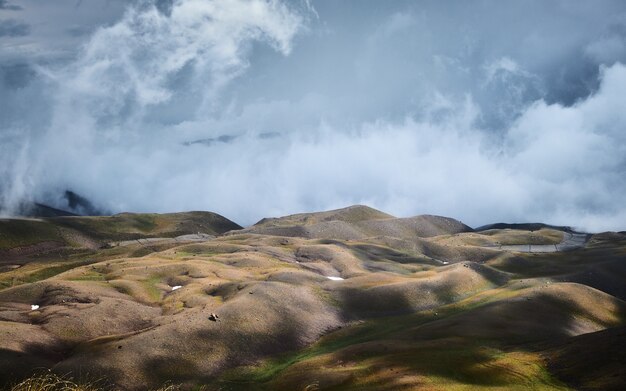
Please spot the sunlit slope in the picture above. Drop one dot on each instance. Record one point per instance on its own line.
(356, 222)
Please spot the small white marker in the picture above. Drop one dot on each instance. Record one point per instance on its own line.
(176, 287)
(334, 278)
(34, 307)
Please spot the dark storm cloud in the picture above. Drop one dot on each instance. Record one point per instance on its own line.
(13, 28)
(164, 6)
(16, 76)
(79, 31)
(5, 5)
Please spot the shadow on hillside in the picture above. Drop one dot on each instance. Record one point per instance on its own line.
(478, 354)
(360, 303)
(162, 370)
(17, 366)
(602, 267)
(445, 361)
(374, 253)
(35, 357)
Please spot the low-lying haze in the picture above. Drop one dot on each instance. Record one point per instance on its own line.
(483, 111)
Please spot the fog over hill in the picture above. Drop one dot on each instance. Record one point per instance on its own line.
(485, 111)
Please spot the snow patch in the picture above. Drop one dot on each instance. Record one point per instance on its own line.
(176, 287)
(34, 307)
(334, 278)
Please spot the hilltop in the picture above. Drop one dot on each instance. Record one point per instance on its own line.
(356, 222)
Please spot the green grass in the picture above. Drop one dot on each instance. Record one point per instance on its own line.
(20, 277)
(149, 285)
(18, 233)
(118, 227)
(466, 367)
(129, 226)
(89, 276)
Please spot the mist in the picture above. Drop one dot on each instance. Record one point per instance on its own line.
(481, 111)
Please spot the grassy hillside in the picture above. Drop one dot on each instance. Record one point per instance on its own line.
(248, 311)
(35, 249)
(128, 226)
(20, 233)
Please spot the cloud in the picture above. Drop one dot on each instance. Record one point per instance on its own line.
(557, 164)
(130, 66)
(13, 28)
(263, 108)
(611, 47)
(165, 6)
(129, 73)
(16, 76)
(78, 31)
(4, 5)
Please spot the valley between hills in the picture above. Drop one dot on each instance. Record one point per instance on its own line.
(349, 299)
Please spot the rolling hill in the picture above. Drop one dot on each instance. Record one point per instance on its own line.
(349, 299)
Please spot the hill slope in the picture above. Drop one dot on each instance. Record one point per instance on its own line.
(356, 222)
(408, 303)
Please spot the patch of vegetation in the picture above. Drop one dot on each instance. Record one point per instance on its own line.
(141, 252)
(89, 276)
(466, 366)
(149, 285)
(21, 276)
(19, 233)
(552, 264)
(518, 237)
(387, 329)
(122, 288)
(130, 226)
(376, 329)
(187, 254)
(49, 381)
(370, 252)
(326, 296)
(118, 227)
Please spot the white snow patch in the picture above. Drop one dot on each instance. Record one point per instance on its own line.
(445, 263)
(34, 307)
(334, 278)
(176, 287)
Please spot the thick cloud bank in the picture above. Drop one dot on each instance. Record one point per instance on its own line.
(260, 108)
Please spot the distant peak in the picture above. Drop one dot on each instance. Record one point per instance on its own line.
(349, 214)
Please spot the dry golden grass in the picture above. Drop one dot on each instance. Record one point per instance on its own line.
(49, 381)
